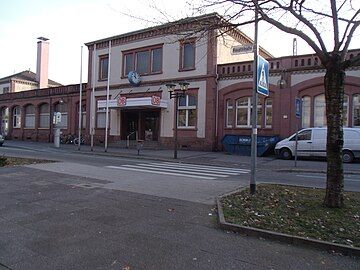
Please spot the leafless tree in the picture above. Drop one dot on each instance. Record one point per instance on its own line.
(308, 19)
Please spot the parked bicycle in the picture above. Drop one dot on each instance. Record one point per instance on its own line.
(67, 139)
(76, 140)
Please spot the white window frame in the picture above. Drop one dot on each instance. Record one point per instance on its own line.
(186, 108)
(45, 115)
(29, 118)
(304, 111)
(323, 113)
(229, 107)
(16, 117)
(248, 108)
(268, 107)
(346, 111)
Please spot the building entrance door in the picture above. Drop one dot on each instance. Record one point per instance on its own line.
(131, 123)
(145, 123)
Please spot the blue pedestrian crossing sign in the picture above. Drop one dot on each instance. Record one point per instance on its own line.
(262, 76)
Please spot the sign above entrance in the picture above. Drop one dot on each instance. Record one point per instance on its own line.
(156, 101)
(121, 101)
(144, 102)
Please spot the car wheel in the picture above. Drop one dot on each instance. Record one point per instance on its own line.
(285, 154)
(347, 156)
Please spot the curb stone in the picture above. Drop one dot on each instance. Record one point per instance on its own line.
(281, 237)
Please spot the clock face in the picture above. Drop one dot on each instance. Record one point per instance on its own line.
(134, 78)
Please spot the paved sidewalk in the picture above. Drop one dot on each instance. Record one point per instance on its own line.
(53, 221)
(198, 157)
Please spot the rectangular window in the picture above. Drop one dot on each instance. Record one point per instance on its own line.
(17, 117)
(144, 61)
(128, 63)
(243, 112)
(229, 113)
(101, 118)
(305, 111)
(103, 67)
(156, 60)
(187, 57)
(319, 111)
(268, 113)
(44, 120)
(187, 111)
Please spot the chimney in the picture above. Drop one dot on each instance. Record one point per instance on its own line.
(42, 62)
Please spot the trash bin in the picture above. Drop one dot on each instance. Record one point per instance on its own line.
(241, 144)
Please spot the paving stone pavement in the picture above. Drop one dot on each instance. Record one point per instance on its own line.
(57, 221)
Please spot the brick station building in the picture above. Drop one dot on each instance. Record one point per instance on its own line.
(218, 101)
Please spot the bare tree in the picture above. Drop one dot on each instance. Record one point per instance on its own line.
(308, 19)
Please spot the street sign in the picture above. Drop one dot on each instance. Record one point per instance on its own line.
(242, 49)
(297, 107)
(263, 76)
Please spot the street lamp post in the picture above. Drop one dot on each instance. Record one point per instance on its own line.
(176, 94)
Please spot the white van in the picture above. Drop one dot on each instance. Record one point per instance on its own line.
(312, 143)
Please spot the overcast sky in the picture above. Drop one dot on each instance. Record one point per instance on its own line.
(71, 23)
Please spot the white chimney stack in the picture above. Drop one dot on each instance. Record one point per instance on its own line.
(42, 65)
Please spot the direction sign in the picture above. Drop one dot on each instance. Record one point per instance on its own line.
(297, 107)
(242, 49)
(262, 76)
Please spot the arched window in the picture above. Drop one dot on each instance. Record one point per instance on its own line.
(187, 111)
(17, 117)
(346, 111)
(306, 110)
(268, 113)
(44, 116)
(30, 116)
(319, 111)
(356, 110)
(62, 108)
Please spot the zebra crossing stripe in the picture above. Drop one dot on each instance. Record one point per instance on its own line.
(160, 172)
(217, 168)
(193, 170)
(177, 170)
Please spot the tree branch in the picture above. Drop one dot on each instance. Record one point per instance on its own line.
(355, 61)
(335, 25)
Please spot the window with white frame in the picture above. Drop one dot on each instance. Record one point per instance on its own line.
(268, 113)
(101, 118)
(17, 117)
(62, 108)
(187, 111)
(356, 110)
(305, 111)
(44, 116)
(319, 111)
(243, 112)
(229, 113)
(83, 116)
(346, 111)
(30, 116)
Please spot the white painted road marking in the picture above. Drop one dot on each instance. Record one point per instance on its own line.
(183, 170)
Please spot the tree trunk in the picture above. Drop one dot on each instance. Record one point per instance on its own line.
(334, 96)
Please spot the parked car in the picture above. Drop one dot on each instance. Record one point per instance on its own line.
(2, 139)
(312, 143)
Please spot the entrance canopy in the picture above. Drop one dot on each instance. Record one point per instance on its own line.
(143, 102)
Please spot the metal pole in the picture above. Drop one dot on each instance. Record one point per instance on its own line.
(92, 104)
(254, 112)
(107, 99)
(176, 126)
(80, 98)
(296, 143)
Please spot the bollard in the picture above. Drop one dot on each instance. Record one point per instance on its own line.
(139, 146)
